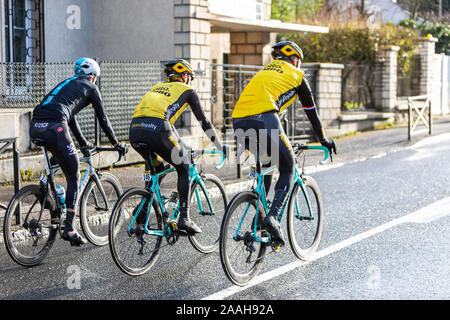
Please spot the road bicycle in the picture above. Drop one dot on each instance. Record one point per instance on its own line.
(136, 232)
(243, 240)
(35, 214)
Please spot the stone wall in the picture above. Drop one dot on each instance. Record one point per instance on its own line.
(251, 48)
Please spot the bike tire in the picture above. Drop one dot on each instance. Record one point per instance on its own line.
(120, 220)
(95, 221)
(208, 240)
(238, 272)
(304, 233)
(21, 244)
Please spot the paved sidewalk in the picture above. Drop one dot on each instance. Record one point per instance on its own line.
(350, 148)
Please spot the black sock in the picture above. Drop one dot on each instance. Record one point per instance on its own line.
(278, 200)
(69, 220)
(184, 213)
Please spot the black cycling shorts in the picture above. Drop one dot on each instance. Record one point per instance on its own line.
(161, 139)
(262, 135)
(59, 142)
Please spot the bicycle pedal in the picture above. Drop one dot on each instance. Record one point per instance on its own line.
(277, 246)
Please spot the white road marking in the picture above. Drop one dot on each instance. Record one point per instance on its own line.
(427, 214)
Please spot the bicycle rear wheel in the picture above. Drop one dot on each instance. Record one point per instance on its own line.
(95, 210)
(240, 254)
(133, 250)
(29, 239)
(305, 223)
(207, 210)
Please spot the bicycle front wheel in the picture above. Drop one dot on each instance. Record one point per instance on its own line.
(241, 249)
(305, 218)
(96, 208)
(133, 249)
(207, 208)
(28, 234)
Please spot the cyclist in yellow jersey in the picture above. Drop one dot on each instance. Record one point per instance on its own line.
(270, 91)
(152, 124)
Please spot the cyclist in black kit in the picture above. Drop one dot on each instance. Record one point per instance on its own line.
(152, 125)
(51, 121)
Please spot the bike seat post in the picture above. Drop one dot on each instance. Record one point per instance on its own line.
(149, 166)
(258, 159)
(46, 159)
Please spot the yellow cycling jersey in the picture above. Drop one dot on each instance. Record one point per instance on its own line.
(275, 87)
(165, 101)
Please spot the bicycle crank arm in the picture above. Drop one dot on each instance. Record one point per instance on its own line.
(180, 233)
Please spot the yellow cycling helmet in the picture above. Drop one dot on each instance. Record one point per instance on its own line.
(285, 50)
(175, 68)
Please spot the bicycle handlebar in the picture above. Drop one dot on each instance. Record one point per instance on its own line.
(302, 146)
(196, 153)
(87, 152)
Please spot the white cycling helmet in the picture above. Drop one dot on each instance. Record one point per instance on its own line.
(86, 67)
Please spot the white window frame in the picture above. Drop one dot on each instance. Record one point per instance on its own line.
(17, 91)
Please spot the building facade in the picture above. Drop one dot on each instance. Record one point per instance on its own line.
(201, 31)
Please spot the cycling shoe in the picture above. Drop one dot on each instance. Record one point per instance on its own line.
(271, 224)
(74, 237)
(189, 226)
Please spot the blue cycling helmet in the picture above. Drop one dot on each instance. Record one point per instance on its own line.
(87, 67)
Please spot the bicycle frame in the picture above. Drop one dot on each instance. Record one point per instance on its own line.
(262, 198)
(49, 179)
(91, 174)
(154, 189)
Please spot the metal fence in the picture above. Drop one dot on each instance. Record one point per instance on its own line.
(358, 83)
(122, 85)
(228, 82)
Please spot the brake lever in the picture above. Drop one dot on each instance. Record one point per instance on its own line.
(120, 158)
(122, 155)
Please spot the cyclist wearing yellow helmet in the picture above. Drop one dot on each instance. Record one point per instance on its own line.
(152, 125)
(271, 91)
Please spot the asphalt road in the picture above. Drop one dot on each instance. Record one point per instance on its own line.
(385, 237)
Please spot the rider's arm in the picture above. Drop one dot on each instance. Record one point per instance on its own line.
(76, 130)
(101, 116)
(306, 98)
(199, 114)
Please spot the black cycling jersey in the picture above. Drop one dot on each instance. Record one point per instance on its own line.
(67, 99)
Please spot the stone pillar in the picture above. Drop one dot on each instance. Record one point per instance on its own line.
(386, 79)
(328, 95)
(424, 66)
(192, 42)
(251, 48)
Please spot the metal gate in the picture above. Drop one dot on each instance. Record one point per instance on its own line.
(228, 82)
